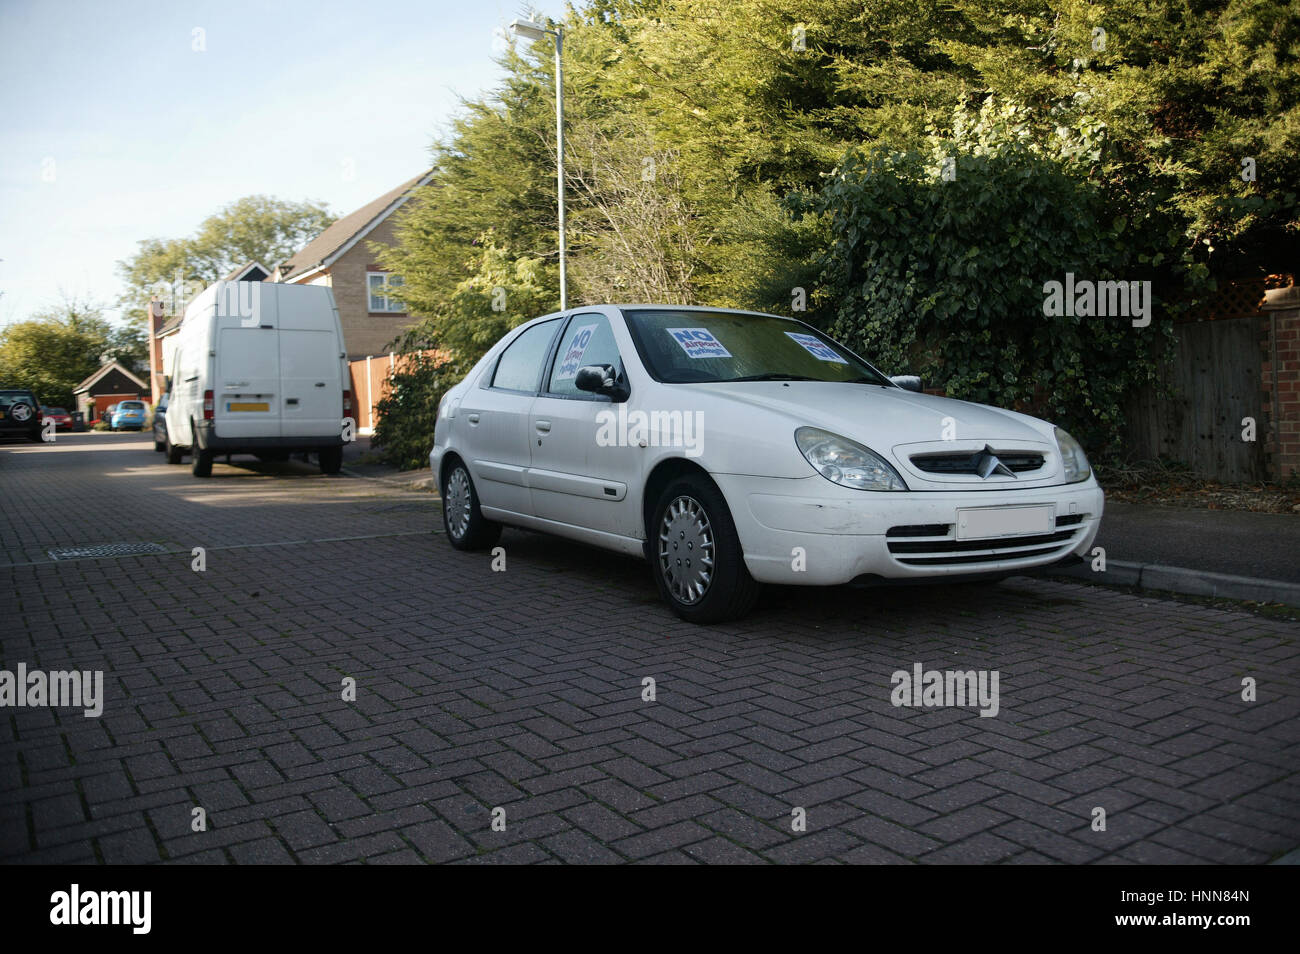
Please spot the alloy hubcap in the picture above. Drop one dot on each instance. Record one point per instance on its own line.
(686, 550)
(458, 502)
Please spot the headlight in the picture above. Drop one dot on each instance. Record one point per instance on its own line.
(845, 462)
(1072, 456)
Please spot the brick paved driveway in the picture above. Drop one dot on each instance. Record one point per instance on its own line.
(523, 690)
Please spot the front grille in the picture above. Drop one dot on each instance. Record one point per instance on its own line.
(935, 545)
(1019, 462)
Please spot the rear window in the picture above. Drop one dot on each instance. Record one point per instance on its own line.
(10, 397)
(131, 406)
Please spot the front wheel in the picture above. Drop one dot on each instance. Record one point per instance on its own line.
(467, 528)
(200, 459)
(173, 452)
(696, 556)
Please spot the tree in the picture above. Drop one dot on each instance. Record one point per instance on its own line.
(55, 350)
(256, 228)
(1171, 126)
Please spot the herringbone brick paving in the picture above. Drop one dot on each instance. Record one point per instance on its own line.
(522, 690)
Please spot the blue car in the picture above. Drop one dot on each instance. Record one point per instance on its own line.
(129, 415)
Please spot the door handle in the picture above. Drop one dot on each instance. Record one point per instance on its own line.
(543, 426)
(473, 418)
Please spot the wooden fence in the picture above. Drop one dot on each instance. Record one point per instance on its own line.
(1214, 394)
(370, 384)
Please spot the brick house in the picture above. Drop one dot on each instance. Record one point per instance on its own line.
(111, 384)
(340, 257)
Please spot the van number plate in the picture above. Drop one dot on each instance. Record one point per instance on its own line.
(984, 522)
(248, 406)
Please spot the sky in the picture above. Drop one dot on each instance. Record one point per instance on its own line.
(133, 119)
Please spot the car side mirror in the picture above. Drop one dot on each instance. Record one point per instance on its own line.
(601, 379)
(908, 382)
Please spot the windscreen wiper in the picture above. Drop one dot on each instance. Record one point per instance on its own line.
(775, 376)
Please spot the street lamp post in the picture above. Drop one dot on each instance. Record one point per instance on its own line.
(535, 31)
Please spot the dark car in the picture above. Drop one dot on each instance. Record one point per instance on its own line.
(20, 414)
(160, 424)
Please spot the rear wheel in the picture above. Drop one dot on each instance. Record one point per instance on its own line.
(158, 445)
(173, 452)
(467, 528)
(696, 556)
(331, 460)
(200, 459)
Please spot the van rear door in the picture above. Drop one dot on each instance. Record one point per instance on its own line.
(311, 378)
(246, 403)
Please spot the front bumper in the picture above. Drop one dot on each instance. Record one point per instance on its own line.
(809, 531)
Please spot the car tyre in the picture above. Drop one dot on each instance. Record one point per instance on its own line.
(331, 460)
(696, 556)
(463, 521)
(200, 459)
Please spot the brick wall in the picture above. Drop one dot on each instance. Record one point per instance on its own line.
(157, 319)
(1281, 380)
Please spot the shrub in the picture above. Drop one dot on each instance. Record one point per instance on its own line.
(944, 276)
(407, 414)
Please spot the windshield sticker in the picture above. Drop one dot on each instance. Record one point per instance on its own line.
(699, 343)
(816, 347)
(574, 352)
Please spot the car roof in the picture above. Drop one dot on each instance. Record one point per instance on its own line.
(643, 306)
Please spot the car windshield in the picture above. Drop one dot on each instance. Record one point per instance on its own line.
(681, 346)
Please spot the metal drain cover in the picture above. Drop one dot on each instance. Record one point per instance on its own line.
(105, 550)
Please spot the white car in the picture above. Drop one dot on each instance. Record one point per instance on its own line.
(732, 449)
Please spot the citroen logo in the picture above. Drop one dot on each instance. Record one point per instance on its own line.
(987, 464)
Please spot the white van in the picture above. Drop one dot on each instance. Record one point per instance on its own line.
(258, 368)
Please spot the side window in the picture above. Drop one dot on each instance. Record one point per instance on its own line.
(520, 366)
(587, 340)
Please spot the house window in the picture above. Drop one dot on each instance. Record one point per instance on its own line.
(377, 284)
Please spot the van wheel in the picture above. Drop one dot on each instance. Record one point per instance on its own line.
(173, 452)
(467, 528)
(331, 460)
(696, 556)
(200, 462)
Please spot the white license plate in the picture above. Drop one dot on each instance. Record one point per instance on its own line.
(987, 522)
